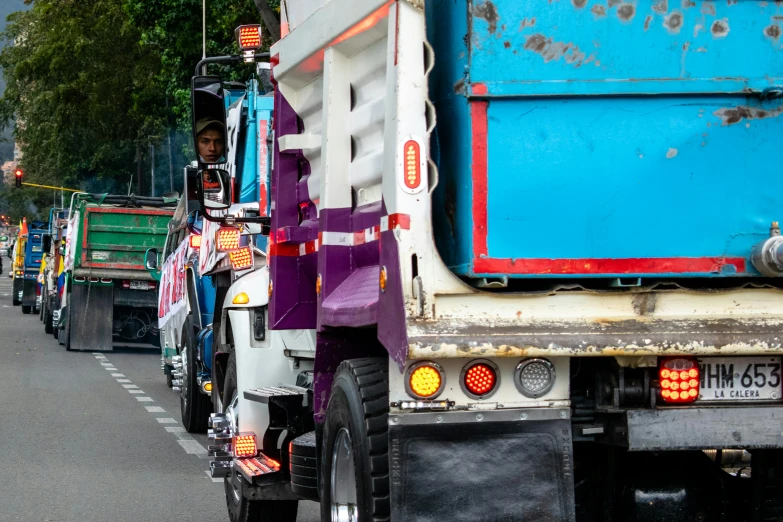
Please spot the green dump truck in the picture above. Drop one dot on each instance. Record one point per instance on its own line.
(110, 298)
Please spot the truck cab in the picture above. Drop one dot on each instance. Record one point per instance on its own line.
(33, 257)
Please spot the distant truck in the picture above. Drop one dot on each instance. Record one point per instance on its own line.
(110, 298)
(33, 256)
(17, 265)
(58, 224)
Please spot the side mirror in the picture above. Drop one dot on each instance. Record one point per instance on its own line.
(151, 259)
(209, 119)
(214, 189)
(47, 244)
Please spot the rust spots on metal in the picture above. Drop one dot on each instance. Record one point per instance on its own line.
(644, 303)
(507, 44)
(459, 87)
(527, 23)
(551, 50)
(772, 31)
(626, 11)
(731, 2)
(647, 22)
(613, 3)
(732, 115)
(673, 21)
(488, 12)
(687, 4)
(598, 10)
(662, 7)
(720, 28)
(579, 4)
(708, 8)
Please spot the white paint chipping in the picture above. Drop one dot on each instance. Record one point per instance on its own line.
(672, 152)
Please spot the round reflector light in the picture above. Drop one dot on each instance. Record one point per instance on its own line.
(425, 380)
(479, 379)
(534, 377)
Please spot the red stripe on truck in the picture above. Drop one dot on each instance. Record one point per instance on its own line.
(647, 265)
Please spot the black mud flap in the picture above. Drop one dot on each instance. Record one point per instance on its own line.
(28, 292)
(92, 317)
(482, 471)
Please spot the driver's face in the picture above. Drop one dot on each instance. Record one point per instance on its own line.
(210, 146)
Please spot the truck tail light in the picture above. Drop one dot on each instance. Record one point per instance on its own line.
(412, 158)
(425, 380)
(679, 379)
(78, 279)
(534, 377)
(104, 280)
(245, 445)
(241, 259)
(479, 379)
(126, 284)
(195, 241)
(152, 285)
(228, 239)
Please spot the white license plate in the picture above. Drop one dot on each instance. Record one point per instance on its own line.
(740, 378)
(139, 285)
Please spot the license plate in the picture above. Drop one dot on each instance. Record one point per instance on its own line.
(740, 379)
(139, 285)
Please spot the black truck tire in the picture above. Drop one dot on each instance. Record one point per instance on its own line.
(357, 413)
(68, 324)
(240, 509)
(48, 320)
(42, 308)
(195, 406)
(27, 309)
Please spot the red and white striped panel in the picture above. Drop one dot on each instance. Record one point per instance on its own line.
(368, 235)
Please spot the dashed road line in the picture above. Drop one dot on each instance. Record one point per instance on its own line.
(190, 445)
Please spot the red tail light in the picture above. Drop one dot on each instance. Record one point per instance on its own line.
(126, 283)
(679, 379)
(479, 378)
(245, 446)
(412, 170)
(195, 241)
(228, 239)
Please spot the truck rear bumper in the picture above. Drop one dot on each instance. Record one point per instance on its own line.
(481, 466)
(749, 427)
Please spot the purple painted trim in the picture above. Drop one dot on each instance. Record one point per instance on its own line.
(344, 220)
(332, 348)
(293, 304)
(392, 332)
(354, 303)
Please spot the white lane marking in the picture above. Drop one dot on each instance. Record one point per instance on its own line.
(135, 391)
(106, 364)
(144, 399)
(130, 386)
(155, 409)
(117, 375)
(213, 479)
(112, 369)
(165, 420)
(6, 306)
(123, 380)
(192, 447)
(175, 429)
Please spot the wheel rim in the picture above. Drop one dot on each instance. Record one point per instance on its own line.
(343, 479)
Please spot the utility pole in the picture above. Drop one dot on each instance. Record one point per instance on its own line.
(152, 162)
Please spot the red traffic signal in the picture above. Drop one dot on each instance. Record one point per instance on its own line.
(18, 173)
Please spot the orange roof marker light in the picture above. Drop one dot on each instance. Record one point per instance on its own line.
(249, 40)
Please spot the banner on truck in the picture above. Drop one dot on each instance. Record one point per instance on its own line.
(70, 248)
(171, 297)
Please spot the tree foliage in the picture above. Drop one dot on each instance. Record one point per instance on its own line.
(94, 83)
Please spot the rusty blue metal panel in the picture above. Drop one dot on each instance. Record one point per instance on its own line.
(624, 47)
(579, 138)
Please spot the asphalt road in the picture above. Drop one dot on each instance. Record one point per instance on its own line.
(95, 437)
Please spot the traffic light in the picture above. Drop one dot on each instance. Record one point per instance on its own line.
(18, 173)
